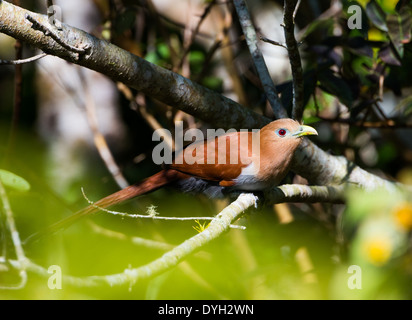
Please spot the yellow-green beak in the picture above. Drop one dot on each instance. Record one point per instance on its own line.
(305, 131)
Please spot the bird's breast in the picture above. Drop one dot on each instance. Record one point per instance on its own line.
(249, 178)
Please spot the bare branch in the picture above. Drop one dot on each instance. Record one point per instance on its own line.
(296, 10)
(18, 87)
(290, 7)
(138, 104)
(261, 68)
(135, 240)
(275, 43)
(99, 139)
(15, 239)
(22, 61)
(387, 124)
(53, 34)
(195, 32)
(120, 65)
(154, 216)
(51, 15)
(303, 193)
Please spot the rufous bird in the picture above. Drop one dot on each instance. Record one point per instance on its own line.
(245, 168)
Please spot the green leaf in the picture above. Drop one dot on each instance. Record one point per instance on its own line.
(376, 15)
(388, 56)
(386, 153)
(359, 46)
(152, 57)
(163, 50)
(13, 181)
(336, 86)
(395, 32)
(324, 25)
(406, 23)
(405, 107)
(214, 83)
(196, 57)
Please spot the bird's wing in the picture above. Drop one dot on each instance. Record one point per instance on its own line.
(219, 159)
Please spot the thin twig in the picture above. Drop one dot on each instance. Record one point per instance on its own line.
(163, 31)
(138, 104)
(134, 240)
(98, 138)
(22, 61)
(195, 31)
(153, 122)
(15, 239)
(296, 10)
(53, 34)
(209, 55)
(387, 124)
(51, 15)
(333, 11)
(170, 22)
(275, 43)
(294, 58)
(154, 215)
(380, 111)
(18, 84)
(228, 54)
(260, 65)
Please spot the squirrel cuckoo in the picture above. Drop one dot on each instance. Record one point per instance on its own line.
(261, 169)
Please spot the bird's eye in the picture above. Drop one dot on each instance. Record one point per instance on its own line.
(281, 132)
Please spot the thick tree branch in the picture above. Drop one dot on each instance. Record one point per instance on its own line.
(50, 31)
(310, 161)
(120, 65)
(303, 193)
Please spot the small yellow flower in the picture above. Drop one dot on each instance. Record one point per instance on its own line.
(403, 216)
(378, 250)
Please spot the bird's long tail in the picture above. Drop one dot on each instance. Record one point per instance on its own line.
(147, 185)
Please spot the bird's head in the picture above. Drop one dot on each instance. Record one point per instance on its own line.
(278, 142)
(286, 130)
